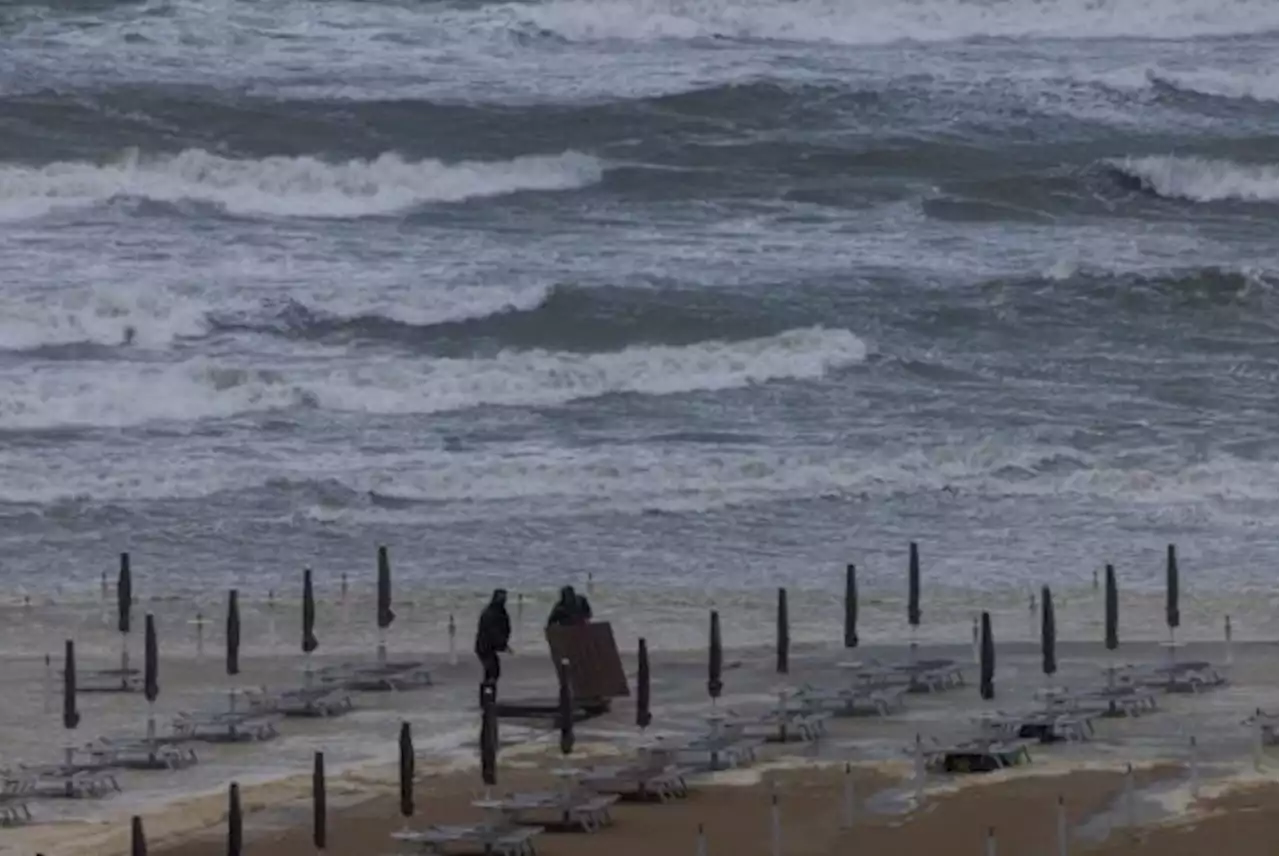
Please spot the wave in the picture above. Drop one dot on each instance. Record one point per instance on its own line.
(888, 21)
(1200, 179)
(134, 394)
(284, 186)
(562, 317)
(1261, 86)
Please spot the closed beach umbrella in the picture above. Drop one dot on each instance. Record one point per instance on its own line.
(784, 634)
(1048, 634)
(643, 715)
(913, 587)
(233, 632)
(488, 736)
(564, 712)
(1113, 611)
(235, 823)
(319, 805)
(124, 595)
(151, 661)
(137, 838)
(385, 615)
(715, 659)
(70, 716)
(309, 640)
(1172, 617)
(850, 606)
(407, 764)
(987, 661)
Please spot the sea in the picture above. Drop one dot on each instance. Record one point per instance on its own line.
(689, 299)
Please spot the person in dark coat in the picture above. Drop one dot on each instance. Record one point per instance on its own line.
(568, 609)
(493, 637)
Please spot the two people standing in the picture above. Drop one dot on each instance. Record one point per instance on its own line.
(493, 632)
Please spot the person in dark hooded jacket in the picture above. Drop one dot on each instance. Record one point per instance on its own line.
(493, 636)
(568, 610)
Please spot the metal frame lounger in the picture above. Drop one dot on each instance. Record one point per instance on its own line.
(851, 701)
(1041, 725)
(786, 725)
(581, 809)
(980, 755)
(488, 839)
(139, 754)
(56, 781)
(637, 781)
(377, 677)
(226, 726)
(1108, 701)
(311, 702)
(712, 751)
(14, 811)
(1184, 677)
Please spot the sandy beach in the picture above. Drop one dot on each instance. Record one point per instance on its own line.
(735, 816)
(184, 811)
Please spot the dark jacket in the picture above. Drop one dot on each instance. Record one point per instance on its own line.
(493, 633)
(568, 609)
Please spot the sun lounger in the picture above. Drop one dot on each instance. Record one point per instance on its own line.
(565, 809)
(487, 839)
(377, 677)
(930, 676)
(1118, 701)
(110, 681)
(1186, 677)
(1043, 726)
(138, 755)
(638, 781)
(1265, 724)
(311, 702)
(980, 755)
(850, 701)
(780, 726)
(56, 781)
(707, 752)
(14, 811)
(226, 726)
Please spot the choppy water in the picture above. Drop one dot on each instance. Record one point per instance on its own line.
(718, 294)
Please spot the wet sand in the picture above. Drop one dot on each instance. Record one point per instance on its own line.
(734, 812)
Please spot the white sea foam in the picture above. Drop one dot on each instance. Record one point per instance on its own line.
(284, 186)
(1204, 180)
(884, 21)
(135, 393)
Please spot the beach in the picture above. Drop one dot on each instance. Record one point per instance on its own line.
(184, 811)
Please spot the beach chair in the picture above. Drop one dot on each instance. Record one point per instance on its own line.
(1115, 701)
(707, 753)
(311, 702)
(931, 676)
(226, 726)
(1265, 724)
(979, 755)
(566, 809)
(1186, 677)
(376, 677)
(137, 755)
(1043, 726)
(642, 780)
(56, 781)
(487, 839)
(14, 811)
(865, 700)
(110, 681)
(785, 725)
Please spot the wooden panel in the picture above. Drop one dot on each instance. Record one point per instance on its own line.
(595, 669)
